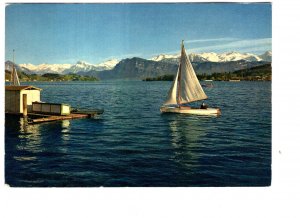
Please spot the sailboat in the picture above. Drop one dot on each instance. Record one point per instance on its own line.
(14, 79)
(186, 89)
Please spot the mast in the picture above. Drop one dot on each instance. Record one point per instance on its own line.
(179, 75)
(12, 76)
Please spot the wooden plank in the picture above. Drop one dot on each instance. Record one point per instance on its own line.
(56, 118)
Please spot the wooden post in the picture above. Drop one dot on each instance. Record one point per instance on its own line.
(25, 105)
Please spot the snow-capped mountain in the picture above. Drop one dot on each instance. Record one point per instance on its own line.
(214, 57)
(267, 56)
(9, 66)
(108, 65)
(84, 67)
(46, 68)
(236, 56)
(164, 57)
(80, 66)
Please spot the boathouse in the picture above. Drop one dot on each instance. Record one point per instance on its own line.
(14, 96)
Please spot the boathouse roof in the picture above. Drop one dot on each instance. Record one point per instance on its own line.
(19, 88)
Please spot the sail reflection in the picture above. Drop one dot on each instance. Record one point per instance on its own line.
(186, 130)
(186, 134)
(65, 135)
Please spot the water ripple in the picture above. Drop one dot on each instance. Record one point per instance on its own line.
(132, 144)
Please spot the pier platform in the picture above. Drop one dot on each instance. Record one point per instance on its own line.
(41, 118)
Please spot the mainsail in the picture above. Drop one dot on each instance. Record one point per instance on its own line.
(186, 87)
(14, 77)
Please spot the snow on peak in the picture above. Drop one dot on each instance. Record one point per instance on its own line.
(46, 68)
(267, 56)
(164, 56)
(236, 56)
(109, 64)
(79, 66)
(82, 66)
(210, 56)
(214, 57)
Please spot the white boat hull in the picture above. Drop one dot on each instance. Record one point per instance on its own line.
(189, 110)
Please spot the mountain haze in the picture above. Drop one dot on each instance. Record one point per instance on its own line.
(139, 68)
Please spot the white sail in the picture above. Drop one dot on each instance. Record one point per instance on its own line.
(186, 87)
(172, 95)
(14, 77)
(189, 87)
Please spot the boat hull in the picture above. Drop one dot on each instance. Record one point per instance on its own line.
(189, 110)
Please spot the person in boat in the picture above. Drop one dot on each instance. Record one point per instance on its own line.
(203, 106)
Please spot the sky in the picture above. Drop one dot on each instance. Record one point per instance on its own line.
(67, 33)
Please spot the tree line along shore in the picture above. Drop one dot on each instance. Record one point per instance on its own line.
(259, 73)
(49, 77)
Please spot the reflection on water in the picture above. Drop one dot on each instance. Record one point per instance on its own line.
(32, 140)
(65, 130)
(30, 136)
(186, 129)
(186, 132)
(24, 158)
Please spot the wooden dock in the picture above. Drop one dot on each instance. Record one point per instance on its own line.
(25, 101)
(41, 118)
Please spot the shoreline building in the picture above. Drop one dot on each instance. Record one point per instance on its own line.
(15, 95)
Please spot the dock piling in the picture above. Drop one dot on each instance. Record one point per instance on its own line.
(25, 105)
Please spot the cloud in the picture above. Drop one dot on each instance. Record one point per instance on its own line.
(220, 45)
(209, 40)
(247, 44)
(228, 44)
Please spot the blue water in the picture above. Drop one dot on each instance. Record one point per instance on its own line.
(132, 144)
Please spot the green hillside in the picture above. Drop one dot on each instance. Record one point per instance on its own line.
(50, 77)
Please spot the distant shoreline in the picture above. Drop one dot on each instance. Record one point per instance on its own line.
(50, 77)
(259, 73)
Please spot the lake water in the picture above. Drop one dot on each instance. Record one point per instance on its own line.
(133, 144)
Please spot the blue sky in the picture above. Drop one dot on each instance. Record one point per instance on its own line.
(66, 33)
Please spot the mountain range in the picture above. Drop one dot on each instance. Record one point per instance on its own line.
(138, 68)
(80, 66)
(214, 57)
